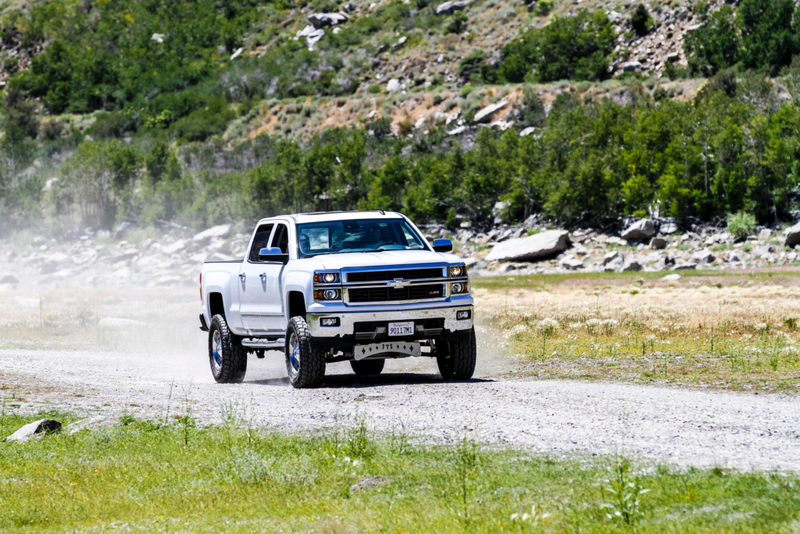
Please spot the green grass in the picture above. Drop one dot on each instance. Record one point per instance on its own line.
(732, 277)
(148, 477)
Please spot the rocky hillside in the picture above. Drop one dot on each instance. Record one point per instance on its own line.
(136, 257)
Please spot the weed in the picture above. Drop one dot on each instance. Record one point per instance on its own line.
(625, 493)
(468, 460)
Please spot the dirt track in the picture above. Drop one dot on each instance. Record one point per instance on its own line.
(740, 430)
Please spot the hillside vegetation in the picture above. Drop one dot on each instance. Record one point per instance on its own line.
(201, 112)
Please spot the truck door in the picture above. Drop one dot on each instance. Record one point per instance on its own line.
(251, 288)
(274, 303)
(259, 290)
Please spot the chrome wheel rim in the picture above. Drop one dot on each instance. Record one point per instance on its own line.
(216, 352)
(294, 355)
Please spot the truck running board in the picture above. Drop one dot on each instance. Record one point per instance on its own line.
(267, 344)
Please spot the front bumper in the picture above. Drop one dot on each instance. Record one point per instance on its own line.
(358, 328)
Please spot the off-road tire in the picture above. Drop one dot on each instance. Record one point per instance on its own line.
(308, 369)
(367, 367)
(460, 363)
(230, 364)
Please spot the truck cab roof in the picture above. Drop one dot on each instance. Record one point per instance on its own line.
(302, 218)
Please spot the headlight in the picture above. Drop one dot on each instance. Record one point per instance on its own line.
(459, 288)
(327, 294)
(458, 270)
(326, 278)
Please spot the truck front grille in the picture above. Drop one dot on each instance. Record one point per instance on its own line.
(387, 294)
(404, 274)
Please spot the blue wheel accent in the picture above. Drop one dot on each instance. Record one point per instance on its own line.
(217, 355)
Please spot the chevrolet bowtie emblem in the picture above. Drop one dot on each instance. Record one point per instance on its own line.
(398, 283)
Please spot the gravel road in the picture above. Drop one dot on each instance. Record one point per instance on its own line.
(675, 426)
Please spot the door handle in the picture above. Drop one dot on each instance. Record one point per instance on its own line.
(263, 276)
(242, 276)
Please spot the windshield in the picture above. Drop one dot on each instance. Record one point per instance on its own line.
(368, 235)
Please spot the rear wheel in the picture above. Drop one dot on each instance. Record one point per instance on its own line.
(367, 367)
(304, 364)
(226, 355)
(460, 363)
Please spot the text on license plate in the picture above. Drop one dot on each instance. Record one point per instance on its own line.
(401, 329)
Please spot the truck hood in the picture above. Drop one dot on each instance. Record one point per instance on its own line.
(404, 258)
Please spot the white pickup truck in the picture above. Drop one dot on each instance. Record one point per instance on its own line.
(348, 286)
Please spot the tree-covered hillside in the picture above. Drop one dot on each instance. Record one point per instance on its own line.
(197, 112)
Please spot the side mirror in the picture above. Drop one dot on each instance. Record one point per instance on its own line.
(273, 254)
(442, 245)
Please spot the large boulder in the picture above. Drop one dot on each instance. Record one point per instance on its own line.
(791, 236)
(486, 113)
(640, 230)
(535, 247)
(205, 237)
(320, 20)
(42, 426)
(448, 8)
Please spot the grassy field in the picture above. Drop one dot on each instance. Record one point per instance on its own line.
(152, 477)
(728, 330)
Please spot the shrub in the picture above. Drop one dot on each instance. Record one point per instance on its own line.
(741, 224)
(544, 7)
(641, 21)
(374, 89)
(457, 23)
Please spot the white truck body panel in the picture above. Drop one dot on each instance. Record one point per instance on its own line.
(256, 295)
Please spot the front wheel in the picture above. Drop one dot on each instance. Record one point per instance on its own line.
(460, 363)
(227, 356)
(367, 367)
(304, 364)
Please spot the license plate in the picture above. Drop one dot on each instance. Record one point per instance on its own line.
(401, 329)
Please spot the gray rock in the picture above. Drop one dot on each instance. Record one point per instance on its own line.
(631, 66)
(764, 234)
(734, 257)
(685, 266)
(393, 85)
(471, 261)
(791, 236)
(99, 421)
(535, 247)
(368, 482)
(400, 42)
(54, 262)
(763, 252)
(39, 240)
(632, 265)
(658, 243)
(205, 237)
(177, 246)
(448, 8)
(668, 228)
(672, 277)
(527, 131)
(640, 230)
(507, 267)
(320, 20)
(573, 264)
(615, 256)
(486, 113)
(42, 426)
(704, 256)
